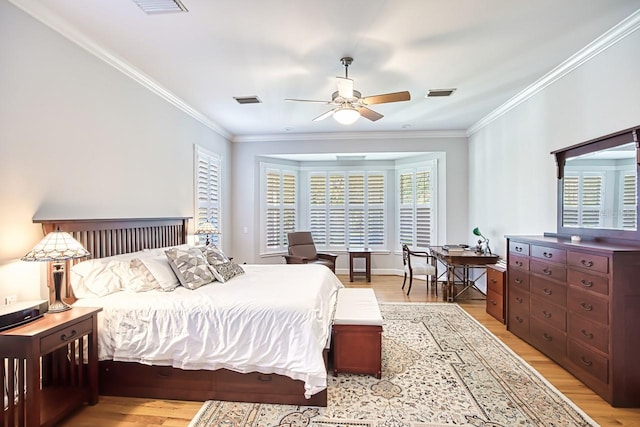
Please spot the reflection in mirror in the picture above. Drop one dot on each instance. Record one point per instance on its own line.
(599, 189)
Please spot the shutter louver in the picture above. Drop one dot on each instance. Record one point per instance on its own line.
(208, 190)
(318, 209)
(280, 209)
(570, 217)
(629, 210)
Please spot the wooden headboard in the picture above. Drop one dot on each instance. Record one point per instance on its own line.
(108, 237)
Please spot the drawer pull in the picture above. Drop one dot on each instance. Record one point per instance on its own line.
(518, 281)
(546, 314)
(547, 336)
(586, 263)
(586, 283)
(494, 281)
(547, 291)
(519, 263)
(585, 306)
(547, 255)
(519, 300)
(264, 378)
(547, 271)
(64, 337)
(587, 334)
(493, 302)
(519, 319)
(585, 361)
(518, 248)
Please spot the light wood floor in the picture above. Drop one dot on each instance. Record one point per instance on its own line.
(128, 412)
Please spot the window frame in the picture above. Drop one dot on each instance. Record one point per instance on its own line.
(281, 170)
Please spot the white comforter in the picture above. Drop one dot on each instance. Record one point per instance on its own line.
(272, 319)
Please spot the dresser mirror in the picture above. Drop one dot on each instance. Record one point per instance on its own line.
(598, 187)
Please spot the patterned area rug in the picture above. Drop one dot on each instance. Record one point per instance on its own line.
(440, 368)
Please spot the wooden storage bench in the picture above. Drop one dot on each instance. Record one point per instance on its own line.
(357, 333)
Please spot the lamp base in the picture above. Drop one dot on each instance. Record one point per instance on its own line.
(58, 306)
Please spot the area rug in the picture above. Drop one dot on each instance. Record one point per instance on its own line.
(440, 368)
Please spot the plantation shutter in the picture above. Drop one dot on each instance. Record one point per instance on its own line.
(318, 209)
(570, 214)
(582, 200)
(207, 166)
(591, 200)
(279, 207)
(337, 218)
(356, 197)
(375, 210)
(416, 205)
(629, 212)
(406, 218)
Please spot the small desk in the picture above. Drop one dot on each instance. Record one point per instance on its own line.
(465, 260)
(364, 253)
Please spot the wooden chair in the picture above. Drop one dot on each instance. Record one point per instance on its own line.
(422, 264)
(302, 250)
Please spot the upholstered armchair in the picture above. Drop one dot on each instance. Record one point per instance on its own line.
(302, 250)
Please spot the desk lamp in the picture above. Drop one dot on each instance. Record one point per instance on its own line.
(57, 246)
(207, 229)
(476, 231)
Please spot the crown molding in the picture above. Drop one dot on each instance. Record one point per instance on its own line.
(39, 12)
(599, 45)
(333, 136)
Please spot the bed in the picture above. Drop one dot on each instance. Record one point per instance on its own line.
(260, 337)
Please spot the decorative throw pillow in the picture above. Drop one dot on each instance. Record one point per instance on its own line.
(226, 270)
(190, 266)
(214, 255)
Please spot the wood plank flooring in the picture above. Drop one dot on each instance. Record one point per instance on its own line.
(129, 412)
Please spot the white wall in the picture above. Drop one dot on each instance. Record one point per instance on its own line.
(246, 183)
(78, 139)
(512, 184)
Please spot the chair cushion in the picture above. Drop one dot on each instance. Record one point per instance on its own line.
(357, 306)
(307, 251)
(421, 268)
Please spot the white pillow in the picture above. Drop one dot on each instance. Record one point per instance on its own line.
(96, 278)
(141, 279)
(161, 271)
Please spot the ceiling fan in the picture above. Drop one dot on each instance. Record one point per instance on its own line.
(350, 104)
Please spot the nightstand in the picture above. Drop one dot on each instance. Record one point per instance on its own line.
(50, 367)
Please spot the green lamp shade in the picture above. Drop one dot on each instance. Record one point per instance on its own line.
(477, 232)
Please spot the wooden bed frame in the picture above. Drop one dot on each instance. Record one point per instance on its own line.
(107, 237)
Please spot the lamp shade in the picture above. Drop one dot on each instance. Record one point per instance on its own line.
(346, 115)
(56, 246)
(207, 228)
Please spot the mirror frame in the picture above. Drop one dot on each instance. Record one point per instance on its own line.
(609, 141)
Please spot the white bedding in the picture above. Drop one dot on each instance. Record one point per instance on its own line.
(272, 319)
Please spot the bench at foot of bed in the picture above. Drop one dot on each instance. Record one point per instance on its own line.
(357, 333)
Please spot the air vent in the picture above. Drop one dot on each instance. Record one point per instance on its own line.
(152, 7)
(247, 99)
(439, 92)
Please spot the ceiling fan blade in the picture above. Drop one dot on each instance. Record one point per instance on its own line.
(308, 100)
(369, 114)
(325, 115)
(345, 87)
(387, 97)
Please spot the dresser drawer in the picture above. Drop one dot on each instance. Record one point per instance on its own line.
(587, 362)
(591, 306)
(519, 280)
(518, 321)
(519, 248)
(495, 281)
(549, 313)
(588, 282)
(62, 337)
(548, 339)
(495, 305)
(552, 271)
(589, 333)
(597, 263)
(549, 291)
(549, 254)
(519, 262)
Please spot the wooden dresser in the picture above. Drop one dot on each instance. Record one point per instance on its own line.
(579, 303)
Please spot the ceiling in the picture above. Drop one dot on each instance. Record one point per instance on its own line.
(489, 50)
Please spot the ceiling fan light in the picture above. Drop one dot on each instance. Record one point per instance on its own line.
(346, 115)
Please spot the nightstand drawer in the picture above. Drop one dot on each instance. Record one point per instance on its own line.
(64, 336)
